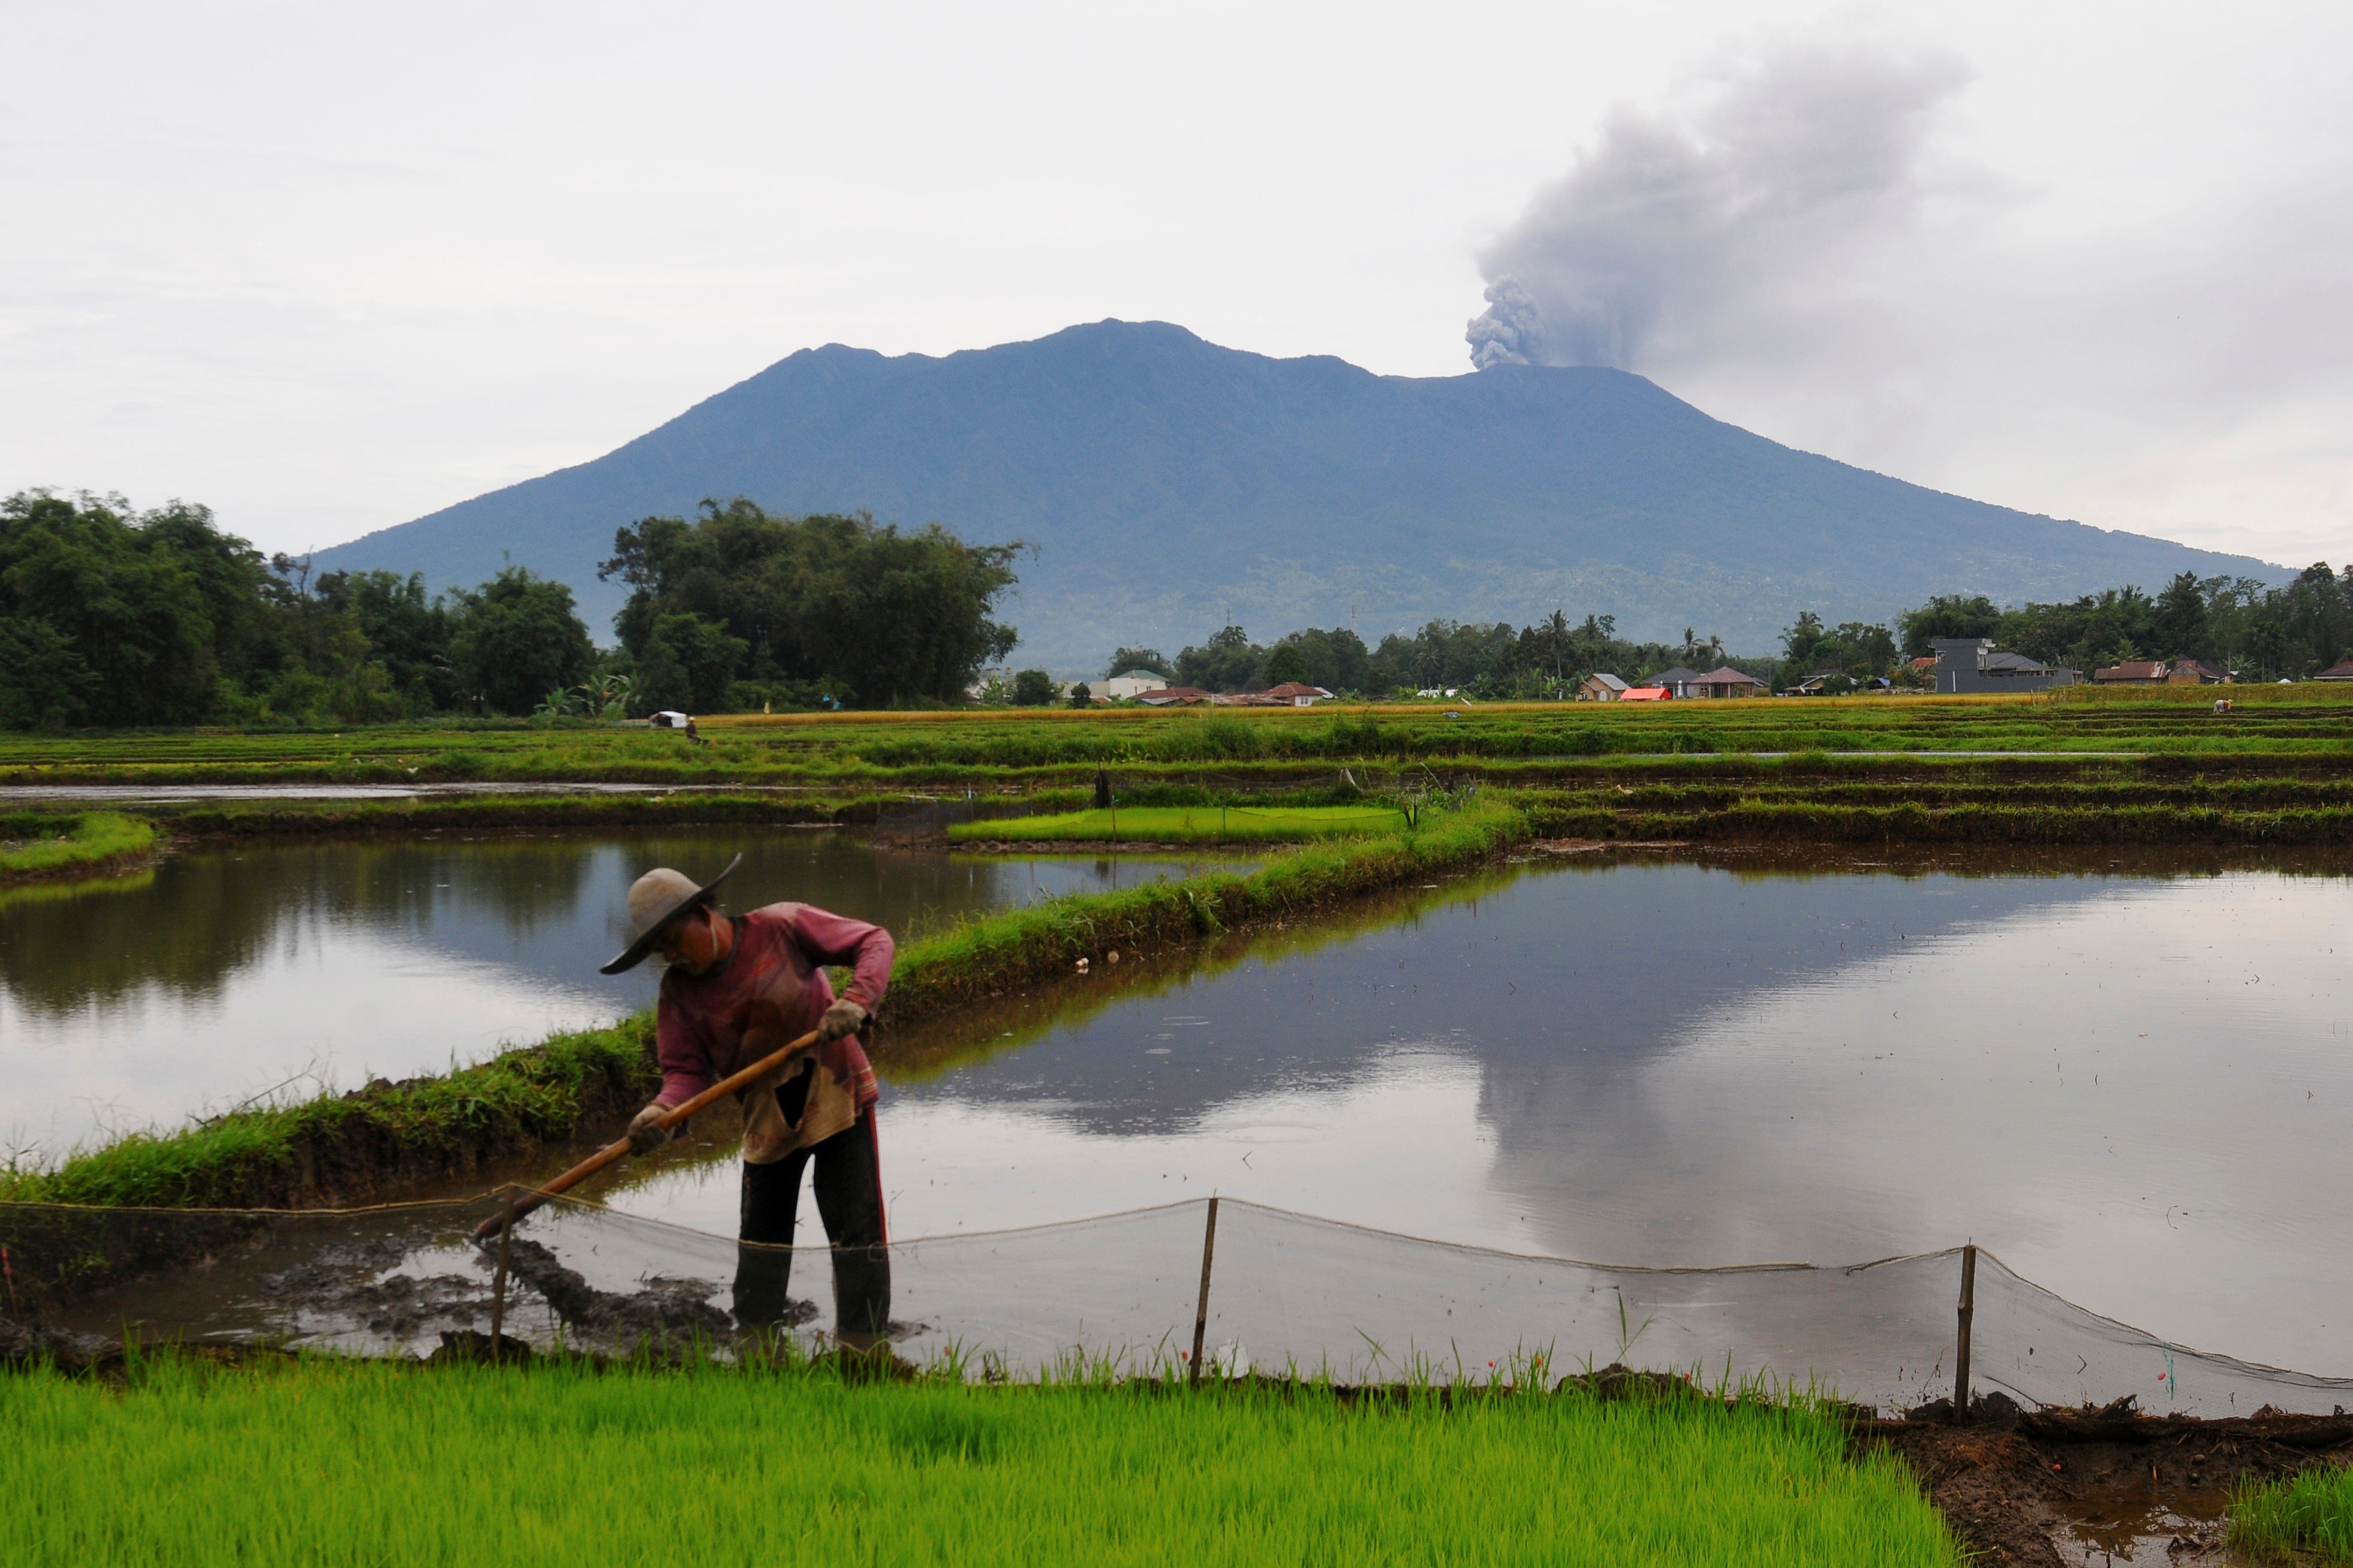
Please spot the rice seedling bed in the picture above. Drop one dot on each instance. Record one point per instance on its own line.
(335, 1463)
(2312, 1514)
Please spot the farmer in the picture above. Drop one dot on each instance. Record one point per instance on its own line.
(737, 988)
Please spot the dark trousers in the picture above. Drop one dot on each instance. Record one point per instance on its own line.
(849, 1185)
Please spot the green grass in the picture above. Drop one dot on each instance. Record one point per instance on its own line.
(41, 844)
(1186, 825)
(2312, 1514)
(362, 1464)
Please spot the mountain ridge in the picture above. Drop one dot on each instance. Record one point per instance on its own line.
(1168, 482)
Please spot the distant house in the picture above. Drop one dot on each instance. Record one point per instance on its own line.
(1925, 662)
(1132, 683)
(1173, 696)
(1727, 681)
(1971, 665)
(1600, 688)
(2337, 672)
(1295, 694)
(2197, 672)
(1679, 681)
(2134, 672)
(1646, 694)
(1812, 685)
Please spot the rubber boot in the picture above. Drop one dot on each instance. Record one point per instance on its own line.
(762, 1274)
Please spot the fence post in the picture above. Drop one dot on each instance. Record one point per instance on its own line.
(498, 1286)
(1961, 1352)
(1201, 1312)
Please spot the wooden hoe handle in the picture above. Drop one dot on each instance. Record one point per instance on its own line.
(610, 1153)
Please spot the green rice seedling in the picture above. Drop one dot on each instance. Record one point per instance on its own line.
(343, 1463)
(2310, 1513)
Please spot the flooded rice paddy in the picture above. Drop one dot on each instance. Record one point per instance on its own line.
(2136, 1088)
(234, 973)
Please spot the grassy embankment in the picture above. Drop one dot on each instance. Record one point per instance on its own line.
(2297, 1520)
(1186, 825)
(357, 1463)
(72, 844)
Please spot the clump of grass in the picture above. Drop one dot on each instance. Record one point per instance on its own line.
(2312, 1512)
(40, 844)
(282, 1155)
(340, 1462)
(1190, 824)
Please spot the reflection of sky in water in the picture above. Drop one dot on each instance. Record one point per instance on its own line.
(224, 974)
(2135, 1091)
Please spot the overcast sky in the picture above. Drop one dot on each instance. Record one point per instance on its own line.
(328, 268)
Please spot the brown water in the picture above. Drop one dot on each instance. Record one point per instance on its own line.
(284, 968)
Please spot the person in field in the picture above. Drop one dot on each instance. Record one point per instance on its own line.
(736, 988)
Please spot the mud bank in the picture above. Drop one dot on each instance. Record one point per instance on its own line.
(2054, 1487)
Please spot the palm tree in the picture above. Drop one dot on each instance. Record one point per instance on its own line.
(1691, 642)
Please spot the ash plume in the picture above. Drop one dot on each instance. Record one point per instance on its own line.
(1674, 230)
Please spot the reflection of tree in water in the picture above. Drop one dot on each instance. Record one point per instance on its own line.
(202, 918)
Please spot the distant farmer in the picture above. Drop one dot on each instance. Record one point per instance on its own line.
(736, 989)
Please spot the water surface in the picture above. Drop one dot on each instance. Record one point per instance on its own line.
(229, 974)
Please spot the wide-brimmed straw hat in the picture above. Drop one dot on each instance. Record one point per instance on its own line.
(657, 899)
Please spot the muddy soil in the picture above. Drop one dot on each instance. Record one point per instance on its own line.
(2049, 1487)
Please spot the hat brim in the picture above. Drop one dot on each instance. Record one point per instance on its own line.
(650, 938)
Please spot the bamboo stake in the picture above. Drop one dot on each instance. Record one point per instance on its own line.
(1201, 1312)
(1961, 1352)
(670, 1117)
(499, 1287)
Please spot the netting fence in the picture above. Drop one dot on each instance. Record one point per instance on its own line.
(1286, 1293)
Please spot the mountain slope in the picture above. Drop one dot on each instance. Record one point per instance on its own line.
(1168, 482)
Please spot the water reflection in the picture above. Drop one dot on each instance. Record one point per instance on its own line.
(223, 973)
(2135, 1090)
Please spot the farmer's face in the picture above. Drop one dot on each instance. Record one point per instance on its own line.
(694, 943)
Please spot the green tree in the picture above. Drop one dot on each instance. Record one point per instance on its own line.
(514, 638)
(1947, 616)
(1081, 696)
(1149, 658)
(1229, 661)
(1285, 664)
(1032, 688)
(893, 616)
(687, 664)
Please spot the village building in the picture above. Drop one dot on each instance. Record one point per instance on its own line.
(1295, 694)
(1598, 688)
(2197, 672)
(2135, 672)
(1128, 685)
(1727, 681)
(2342, 671)
(1678, 680)
(1972, 665)
(1646, 694)
(1173, 696)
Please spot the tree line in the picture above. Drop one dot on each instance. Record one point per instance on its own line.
(1491, 660)
(113, 616)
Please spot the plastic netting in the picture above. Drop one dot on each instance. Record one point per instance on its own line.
(1287, 1293)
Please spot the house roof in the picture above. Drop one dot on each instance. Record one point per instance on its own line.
(1727, 676)
(1645, 694)
(1673, 675)
(2133, 669)
(1174, 694)
(2018, 661)
(1296, 688)
(2337, 672)
(1611, 681)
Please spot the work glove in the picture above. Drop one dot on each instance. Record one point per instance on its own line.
(843, 1017)
(646, 1132)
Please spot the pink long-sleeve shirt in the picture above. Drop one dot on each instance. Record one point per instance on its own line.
(772, 987)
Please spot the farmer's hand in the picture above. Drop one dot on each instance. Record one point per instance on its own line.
(646, 1132)
(842, 1019)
